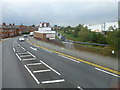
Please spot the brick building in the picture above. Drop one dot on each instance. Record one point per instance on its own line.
(9, 30)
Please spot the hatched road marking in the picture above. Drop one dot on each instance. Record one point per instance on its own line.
(50, 68)
(39, 71)
(31, 64)
(53, 81)
(32, 74)
(29, 59)
(30, 54)
(18, 56)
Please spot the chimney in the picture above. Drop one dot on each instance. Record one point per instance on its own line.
(10, 24)
(43, 24)
(47, 24)
(4, 24)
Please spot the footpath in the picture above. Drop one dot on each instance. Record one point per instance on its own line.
(87, 56)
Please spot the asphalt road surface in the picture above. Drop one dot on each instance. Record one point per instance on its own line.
(28, 66)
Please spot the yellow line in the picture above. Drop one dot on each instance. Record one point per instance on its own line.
(105, 68)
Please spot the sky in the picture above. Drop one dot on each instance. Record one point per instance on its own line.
(58, 12)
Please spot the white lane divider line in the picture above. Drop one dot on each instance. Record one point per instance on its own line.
(29, 59)
(50, 68)
(107, 72)
(69, 58)
(31, 64)
(14, 49)
(53, 81)
(18, 56)
(30, 54)
(79, 88)
(32, 74)
(40, 71)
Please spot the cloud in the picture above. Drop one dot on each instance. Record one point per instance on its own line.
(63, 13)
(12, 1)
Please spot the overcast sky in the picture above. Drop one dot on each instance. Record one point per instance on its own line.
(60, 12)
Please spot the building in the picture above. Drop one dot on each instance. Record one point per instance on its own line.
(44, 32)
(27, 29)
(104, 27)
(10, 30)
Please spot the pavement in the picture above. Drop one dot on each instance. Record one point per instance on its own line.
(28, 66)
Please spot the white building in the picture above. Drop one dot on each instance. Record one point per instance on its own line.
(102, 27)
(44, 32)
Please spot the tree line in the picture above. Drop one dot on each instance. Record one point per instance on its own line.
(83, 34)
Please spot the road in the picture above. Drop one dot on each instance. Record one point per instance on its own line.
(28, 66)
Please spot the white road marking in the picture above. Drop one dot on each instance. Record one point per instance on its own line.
(30, 59)
(69, 58)
(23, 48)
(107, 72)
(18, 44)
(25, 55)
(39, 71)
(79, 88)
(32, 74)
(35, 49)
(18, 56)
(14, 49)
(33, 64)
(30, 54)
(53, 81)
(50, 68)
(13, 42)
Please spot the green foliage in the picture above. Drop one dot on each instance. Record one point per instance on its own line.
(25, 32)
(81, 33)
(113, 39)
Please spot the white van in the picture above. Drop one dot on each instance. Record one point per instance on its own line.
(31, 33)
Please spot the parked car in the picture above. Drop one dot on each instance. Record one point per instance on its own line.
(21, 39)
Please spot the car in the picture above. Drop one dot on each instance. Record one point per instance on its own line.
(25, 35)
(21, 39)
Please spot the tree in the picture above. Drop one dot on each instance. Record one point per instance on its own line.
(113, 39)
(84, 34)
